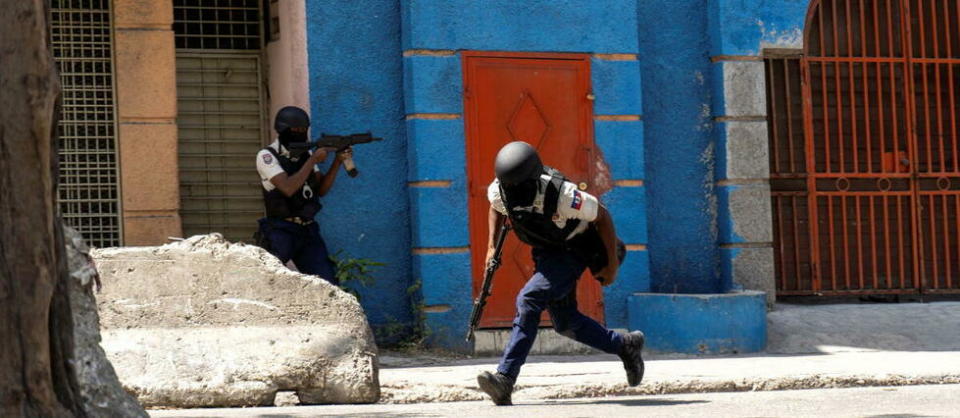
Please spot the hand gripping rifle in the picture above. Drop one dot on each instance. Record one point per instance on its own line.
(338, 142)
(481, 300)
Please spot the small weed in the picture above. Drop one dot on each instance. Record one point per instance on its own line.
(354, 270)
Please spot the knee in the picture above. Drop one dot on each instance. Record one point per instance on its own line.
(528, 307)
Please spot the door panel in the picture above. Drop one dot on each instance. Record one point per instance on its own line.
(541, 99)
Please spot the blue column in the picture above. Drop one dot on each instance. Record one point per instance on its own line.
(680, 150)
(356, 85)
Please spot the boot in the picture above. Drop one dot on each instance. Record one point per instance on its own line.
(498, 386)
(630, 355)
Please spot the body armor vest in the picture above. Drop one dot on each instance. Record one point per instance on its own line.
(534, 224)
(304, 203)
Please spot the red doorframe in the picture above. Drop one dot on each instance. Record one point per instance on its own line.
(588, 291)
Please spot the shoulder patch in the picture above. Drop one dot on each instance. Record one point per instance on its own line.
(267, 158)
(577, 201)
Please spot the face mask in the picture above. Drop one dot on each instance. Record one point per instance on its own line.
(521, 194)
(288, 137)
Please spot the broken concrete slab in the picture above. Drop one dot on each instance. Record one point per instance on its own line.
(205, 322)
(101, 391)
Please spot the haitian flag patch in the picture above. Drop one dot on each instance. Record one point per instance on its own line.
(577, 200)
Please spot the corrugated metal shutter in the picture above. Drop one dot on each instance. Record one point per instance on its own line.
(220, 115)
(88, 191)
(220, 112)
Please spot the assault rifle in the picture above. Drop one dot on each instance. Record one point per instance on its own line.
(481, 299)
(338, 142)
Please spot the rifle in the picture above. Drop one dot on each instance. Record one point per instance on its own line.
(481, 300)
(339, 142)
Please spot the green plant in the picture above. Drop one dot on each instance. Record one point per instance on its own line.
(354, 270)
(406, 336)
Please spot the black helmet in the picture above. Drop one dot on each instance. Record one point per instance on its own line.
(291, 117)
(517, 162)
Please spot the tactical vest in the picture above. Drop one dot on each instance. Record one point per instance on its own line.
(534, 224)
(304, 203)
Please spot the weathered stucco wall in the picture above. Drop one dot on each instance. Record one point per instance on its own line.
(433, 33)
(739, 31)
(680, 152)
(695, 158)
(355, 86)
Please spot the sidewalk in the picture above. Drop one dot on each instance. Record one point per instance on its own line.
(824, 346)
(558, 377)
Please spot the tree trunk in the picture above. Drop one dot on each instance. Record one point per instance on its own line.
(36, 376)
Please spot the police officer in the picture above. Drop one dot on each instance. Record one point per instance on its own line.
(569, 231)
(292, 187)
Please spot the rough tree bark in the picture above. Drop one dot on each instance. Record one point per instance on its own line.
(36, 375)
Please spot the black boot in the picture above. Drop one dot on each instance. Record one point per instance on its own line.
(630, 355)
(498, 386)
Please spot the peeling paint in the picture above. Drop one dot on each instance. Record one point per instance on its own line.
(602, 181)
(783, 38)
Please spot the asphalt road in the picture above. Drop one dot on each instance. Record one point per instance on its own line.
(904, 401)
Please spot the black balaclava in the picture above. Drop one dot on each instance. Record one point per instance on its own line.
(288, 137)
(521, 194)
(291, 117)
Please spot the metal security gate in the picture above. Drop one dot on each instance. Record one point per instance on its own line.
(220, 115)
(881, 169)
(88, 192)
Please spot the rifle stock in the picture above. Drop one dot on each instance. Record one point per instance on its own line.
(481, 301)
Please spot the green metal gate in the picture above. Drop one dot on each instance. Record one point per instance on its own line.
(88, 191)
(220, 116)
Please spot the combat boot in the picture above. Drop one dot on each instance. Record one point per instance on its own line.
(631, 357)
(498, 386)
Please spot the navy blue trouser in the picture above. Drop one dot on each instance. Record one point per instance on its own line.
(300, 243)
(553, 287)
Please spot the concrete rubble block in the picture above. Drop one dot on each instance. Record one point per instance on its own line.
(208, 323)
(100, 390)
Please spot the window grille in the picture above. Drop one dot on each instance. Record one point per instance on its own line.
(88, 193)
(217, 24)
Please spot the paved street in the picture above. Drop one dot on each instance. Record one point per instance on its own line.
(908, 401)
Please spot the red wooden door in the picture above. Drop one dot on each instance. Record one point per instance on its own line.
(543, 99)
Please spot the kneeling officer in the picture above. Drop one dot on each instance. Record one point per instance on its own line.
(292, 187)
(569, 231)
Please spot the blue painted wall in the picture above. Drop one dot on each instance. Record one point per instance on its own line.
(355, 86)
(680, 151)
(532, 25)
(701, 324)
(743, 27)
(433, 85)
(361, 80)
